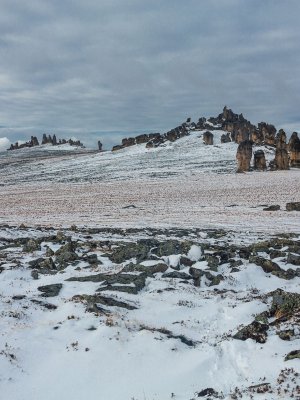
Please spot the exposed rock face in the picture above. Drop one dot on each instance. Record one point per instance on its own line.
(281, 161)
(239, 128)
(257, 137)
(208, 138)
(294, 149)
(244, 155)
(260, 160)
(267, 133)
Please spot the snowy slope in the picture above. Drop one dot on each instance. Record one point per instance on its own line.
(176, 342)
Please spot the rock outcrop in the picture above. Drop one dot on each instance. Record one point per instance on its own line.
(294, 150)
(244, 155)
(208, 138)
(267, 134)
(260, 160)
(99, 145)
(281, 161)
(225, 138)
(31, 143)
(46, 139)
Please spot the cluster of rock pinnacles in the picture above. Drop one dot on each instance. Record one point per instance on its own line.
(238, 130)
(47, 139)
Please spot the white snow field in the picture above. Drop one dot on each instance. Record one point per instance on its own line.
(172, 255)
(184, 183)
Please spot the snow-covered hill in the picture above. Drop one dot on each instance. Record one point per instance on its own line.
(171, 285)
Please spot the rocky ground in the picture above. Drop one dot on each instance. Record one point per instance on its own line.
(149, 314)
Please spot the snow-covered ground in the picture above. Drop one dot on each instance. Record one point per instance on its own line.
(172, 256)
(184, 183)
(175, 341)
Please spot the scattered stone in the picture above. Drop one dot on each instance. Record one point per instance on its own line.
(267, 265)
(292, 355)
(48, 306)
(293, 259)
(272, 208)
(208, 392)
(293, 206)
(49, 252)
(92, 259)
(284, 304)
(44, 265)
(35, 274)
(185, 261)
(256, 331)
(66, 254)
(19, 297)
(148, 270)
(50, 290)
(286, 334)
(31, 245)
(93, 300)
(177, 275)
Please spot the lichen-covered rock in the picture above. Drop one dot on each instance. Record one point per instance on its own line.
(244, 155)
(292, 355)
(256, 331)
(284, 303)
(66, 253)
(149, 270)
(293, 259)
(31, 245)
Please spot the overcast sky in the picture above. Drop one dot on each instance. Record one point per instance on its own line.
(104, 68)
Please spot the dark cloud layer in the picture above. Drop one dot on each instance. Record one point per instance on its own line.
(94, 68)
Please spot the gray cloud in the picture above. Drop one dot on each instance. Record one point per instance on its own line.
(107, 68)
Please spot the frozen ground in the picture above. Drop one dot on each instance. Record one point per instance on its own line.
(170, 340)
(182, 184)
(173, 255)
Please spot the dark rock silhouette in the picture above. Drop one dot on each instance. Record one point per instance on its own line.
(208, 138)
(46, 139)
(225, 138)
(260, 160)
(99, 145)
(244, 155)
(31, 143)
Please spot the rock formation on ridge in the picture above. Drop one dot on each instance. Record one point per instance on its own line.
(244, 155)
